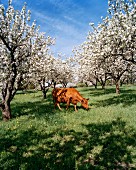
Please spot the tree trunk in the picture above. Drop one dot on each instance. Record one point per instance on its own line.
(6, 111)
(95, 86)
(54, 85)
(117, 88)
(86, 84)
(103, 86)
(45, 93)
(64, 85)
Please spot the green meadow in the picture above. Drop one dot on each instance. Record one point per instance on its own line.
(39, 137)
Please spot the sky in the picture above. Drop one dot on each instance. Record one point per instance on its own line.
(65, 20)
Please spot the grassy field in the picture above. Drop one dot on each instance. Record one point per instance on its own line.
(40, 137)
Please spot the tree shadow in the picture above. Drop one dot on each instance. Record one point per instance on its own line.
(108, 145)
(126, 99)
(26, 91)
(99, 92)
(40, 108)
(84, 89)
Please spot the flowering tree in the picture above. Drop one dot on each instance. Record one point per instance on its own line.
(61, 71)
(88, 57)
(41, 63)
(129, 77)
(110, 49)
(18, 43)
(118, 47)
(123, 13)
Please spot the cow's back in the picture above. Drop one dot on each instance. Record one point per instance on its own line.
(59, 95)
(72, 92)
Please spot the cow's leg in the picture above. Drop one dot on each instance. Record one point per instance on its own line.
(75, 107)
(55, 104)
(58, 106)
(68, 103)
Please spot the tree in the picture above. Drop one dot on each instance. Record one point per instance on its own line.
(110, 49)
(62, 71)
(17, 45)
(129, 77)
(41, 63)
(124, 12)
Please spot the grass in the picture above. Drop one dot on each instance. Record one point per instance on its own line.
(40, 137)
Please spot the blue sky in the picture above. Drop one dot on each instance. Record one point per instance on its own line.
(66, 20)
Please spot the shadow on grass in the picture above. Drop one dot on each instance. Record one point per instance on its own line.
(99, 92)
(112, 90)
(126, 99)
(40, 108)
(100, 146)
(26, 91)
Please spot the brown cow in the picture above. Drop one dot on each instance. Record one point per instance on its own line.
(68, 95)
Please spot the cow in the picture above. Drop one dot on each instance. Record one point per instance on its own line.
(68, 95)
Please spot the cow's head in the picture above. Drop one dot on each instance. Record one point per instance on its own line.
(84, 103)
